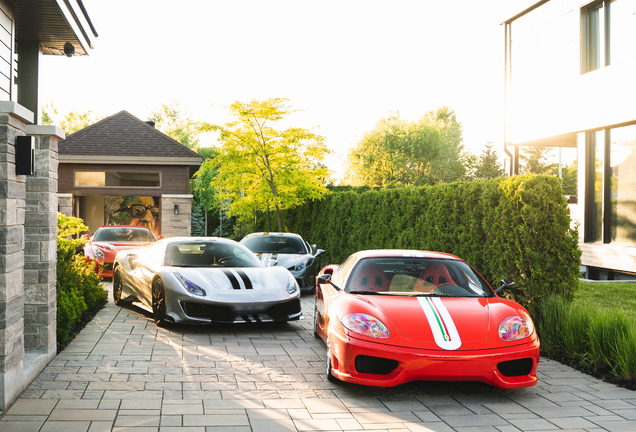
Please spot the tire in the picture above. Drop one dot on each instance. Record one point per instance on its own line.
(159, 303)
(316, 335)
(117, 287)
(330, 376)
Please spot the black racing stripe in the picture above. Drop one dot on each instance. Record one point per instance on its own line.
(246, 280)
(232, 278)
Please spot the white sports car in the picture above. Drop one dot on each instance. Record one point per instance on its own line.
(203, 280)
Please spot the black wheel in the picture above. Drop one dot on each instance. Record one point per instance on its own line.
(330, 376)
(316, 335)
(159, 303)
(117, 288)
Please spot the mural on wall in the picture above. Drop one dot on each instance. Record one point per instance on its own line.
(133, 210)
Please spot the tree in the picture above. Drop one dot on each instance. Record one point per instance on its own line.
(398, 152)
(176, 123)
(535, 160)
(488, 165)
(72, 122)
(260, 168)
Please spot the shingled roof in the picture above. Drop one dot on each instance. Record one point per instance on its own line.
(123, 138)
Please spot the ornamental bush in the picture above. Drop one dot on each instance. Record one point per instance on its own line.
(80, 293)
(515, 228)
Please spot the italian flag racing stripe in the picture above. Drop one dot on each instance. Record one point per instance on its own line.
(441, 323)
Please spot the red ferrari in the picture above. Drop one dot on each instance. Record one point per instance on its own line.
(108, 240)
(394, 316)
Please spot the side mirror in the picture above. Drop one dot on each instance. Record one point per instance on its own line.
(318, 253)
(313, 249)
(271, 263)
(160, 238)
(86, 236)
(505, 283)
(326, 279)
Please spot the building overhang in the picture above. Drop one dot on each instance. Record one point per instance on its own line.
(54, 23)
(129, 160)
(563, 140)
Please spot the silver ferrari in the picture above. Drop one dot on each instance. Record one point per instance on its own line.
(204, 280)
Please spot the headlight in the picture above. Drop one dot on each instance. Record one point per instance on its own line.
(191, 287)
(515, 328)
(98, 252)
(365, 325)
(292, 286)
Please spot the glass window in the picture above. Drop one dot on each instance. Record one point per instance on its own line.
(416, 276)
(124, 234)
(608, 32)
(623, 185)
(209, 254)
(275, 244)
(611, 185)
(117, 179)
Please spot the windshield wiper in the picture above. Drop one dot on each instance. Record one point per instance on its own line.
(365, 292)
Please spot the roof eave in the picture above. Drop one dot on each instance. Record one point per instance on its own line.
(129, 160)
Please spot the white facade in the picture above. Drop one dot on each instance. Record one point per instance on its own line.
(570, 82)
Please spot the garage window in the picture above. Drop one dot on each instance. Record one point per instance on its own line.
(117, 179)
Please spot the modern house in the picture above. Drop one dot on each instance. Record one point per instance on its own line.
(123, 171)
(570, 68)
(28, 184)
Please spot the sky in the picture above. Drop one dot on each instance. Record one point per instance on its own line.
(345, 64)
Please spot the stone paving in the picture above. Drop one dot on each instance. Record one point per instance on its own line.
(122, 373)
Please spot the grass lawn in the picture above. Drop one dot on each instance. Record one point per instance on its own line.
(609, 296)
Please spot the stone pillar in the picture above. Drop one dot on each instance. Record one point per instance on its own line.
(13, 120)
(176, 225)
(65, 204)
(40, 230)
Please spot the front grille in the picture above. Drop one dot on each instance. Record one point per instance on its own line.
(514, 368)
(281, 311)
(208, 311)
(375, 365)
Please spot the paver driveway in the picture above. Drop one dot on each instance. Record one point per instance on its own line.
(124, 373)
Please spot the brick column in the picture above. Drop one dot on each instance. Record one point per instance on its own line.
(13, 119)
(176, 225)
(40, 231)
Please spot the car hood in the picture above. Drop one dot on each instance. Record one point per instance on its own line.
(446, 321)
(230, 278)
(284, 260)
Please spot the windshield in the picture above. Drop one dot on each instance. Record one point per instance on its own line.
(209, 254)
(275, 245)
(413, 276)
(124, 234)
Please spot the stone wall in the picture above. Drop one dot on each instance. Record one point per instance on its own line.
(28, 224)
(175, 225)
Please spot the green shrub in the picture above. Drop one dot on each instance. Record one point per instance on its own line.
(514, 228)
(79, 290)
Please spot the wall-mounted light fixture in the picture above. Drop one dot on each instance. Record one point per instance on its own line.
(176, 209)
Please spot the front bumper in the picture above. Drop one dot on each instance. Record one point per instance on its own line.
(237, 312)
(352, 360)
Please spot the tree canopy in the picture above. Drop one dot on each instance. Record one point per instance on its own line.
(176, 122)
(398, 152)
(72, 122)
(488, 165)
(260, 167)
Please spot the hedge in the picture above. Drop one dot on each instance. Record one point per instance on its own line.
(80, 293)
(514, 228)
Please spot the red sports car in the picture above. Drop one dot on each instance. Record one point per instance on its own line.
(108, 240)
(393, 316)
